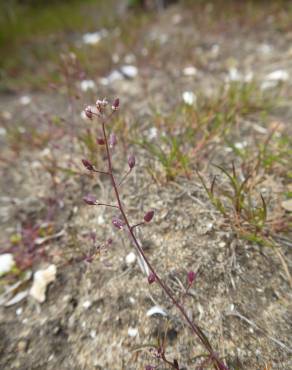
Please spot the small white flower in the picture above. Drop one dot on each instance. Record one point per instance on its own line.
(189, 98)
(234, 75)
(152, 133)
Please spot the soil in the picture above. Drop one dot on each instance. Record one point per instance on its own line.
(241, 295)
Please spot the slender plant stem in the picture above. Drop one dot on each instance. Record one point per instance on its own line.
(195, 328)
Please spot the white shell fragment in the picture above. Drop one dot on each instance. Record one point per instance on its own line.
(273, 78)
(6, 263)
(130, 258)
(156, 310)
(86, 85)
(41, 279)
(129, 71)
(287, 205)
(189, 97)
(278, 75)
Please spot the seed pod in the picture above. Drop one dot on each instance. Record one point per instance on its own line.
(100, 141)
(112, 140)
(116, 104)
(151, 278)
(148, 216)
(90, 200)
(131, 161)
(191, 277)
(87, 165)
(118, 223)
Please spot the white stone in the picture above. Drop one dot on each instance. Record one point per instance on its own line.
(86, 304)
(130, 258)
(132, 332)
(25, 100)
(41, 279)
(3, 131)
(278, 75)
(190, 71)
(19, 311)
(94, 37)
(6, 263)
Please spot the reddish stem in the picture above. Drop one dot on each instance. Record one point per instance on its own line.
(195, 328)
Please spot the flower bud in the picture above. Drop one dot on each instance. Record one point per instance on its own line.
(112, 140)
(151, 278)
(131, 161)
(191, 277)
(88, 112)
(148, 216)
(116, 104)
(90, 200)
(100, 141)
(118, 223)
(87, 165)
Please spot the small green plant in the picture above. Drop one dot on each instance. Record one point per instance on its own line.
(169, 154)
(249, 218)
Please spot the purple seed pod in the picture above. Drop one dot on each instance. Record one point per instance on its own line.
(118, 223)
(149, 367)
(100, 141)
(88, 165)
(131, 161)
(151, 278)
(88, 112)
(116, 104)
(148, 216)
(112, 140)
(191, 277)
(90, 199)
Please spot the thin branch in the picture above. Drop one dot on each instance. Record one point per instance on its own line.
(196, 329)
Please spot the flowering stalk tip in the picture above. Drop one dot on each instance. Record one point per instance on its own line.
(116, 104)
(131, 161)
(191, 277)
(112, 140)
